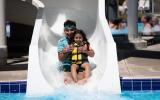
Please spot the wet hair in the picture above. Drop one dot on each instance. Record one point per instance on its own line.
(81, 32)
(147, 17)
(70, 24)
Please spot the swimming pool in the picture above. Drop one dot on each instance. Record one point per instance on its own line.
(132, 89)
(66, 94)
(124, 31)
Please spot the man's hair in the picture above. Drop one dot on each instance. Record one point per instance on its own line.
(69, 24)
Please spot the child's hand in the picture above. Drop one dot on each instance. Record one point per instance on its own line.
(83, 49)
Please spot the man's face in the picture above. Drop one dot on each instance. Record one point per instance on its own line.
(69, 32)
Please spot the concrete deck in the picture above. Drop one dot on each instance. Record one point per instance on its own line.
(16, 69)
(144, 63)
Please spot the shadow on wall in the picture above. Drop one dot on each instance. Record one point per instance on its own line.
(18, 40)
(126, 49)
(21, 17)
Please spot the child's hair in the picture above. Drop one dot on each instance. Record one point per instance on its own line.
(81, 32)
(69, 24)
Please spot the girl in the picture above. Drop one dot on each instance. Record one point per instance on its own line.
(80, 68)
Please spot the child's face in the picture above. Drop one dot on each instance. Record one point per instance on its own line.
(78, 38)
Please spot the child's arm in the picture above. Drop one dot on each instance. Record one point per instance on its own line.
(88, 50)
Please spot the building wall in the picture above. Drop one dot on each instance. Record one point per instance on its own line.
(156, 6)
(20, 12)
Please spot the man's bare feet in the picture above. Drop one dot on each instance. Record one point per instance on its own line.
(82, 82)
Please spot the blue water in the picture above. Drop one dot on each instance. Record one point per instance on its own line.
(125, 30)
(83, 95)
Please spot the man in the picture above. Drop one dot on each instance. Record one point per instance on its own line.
(64, 50)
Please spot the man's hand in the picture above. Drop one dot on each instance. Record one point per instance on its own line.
(68, 48)
(83, 49)
(63, 54)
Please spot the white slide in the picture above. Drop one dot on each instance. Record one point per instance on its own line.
(43, 74)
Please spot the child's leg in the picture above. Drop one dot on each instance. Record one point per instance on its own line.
(74, 72)
(68, 78)
(80, 75)
(87, 71)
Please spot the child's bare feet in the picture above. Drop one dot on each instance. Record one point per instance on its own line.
(68, 80)
(82, 82)
(75, 80)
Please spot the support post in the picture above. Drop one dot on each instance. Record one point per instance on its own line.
(132, 19)
(133, 35)
(3, 47)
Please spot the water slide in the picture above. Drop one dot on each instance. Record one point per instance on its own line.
(43, 74)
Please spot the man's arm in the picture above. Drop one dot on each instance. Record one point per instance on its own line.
(61, 49)
(63, 54)
(90, 53)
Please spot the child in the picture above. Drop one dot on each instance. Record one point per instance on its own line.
(81, 51)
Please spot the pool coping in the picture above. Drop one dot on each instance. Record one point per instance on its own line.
(134, 84)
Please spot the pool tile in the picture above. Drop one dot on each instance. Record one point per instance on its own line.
(155, 85)
(5, 88)
(143, 80)
(137, 85)
(126, 85)
(156, 80)
(146, 85)
(135, 88)
(126, 88)
(4, 83)
(14, 88)
(23, 88)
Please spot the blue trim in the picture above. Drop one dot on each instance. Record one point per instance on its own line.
(5, 88)
(140, 84)
(126, 85)
(13, 87)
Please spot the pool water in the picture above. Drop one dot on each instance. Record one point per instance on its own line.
(74, 94)
(125, 30)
